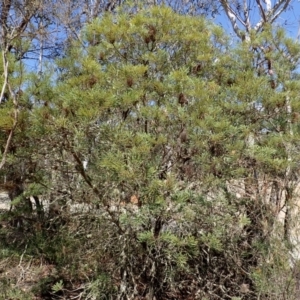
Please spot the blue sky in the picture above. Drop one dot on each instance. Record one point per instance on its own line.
(290, 20)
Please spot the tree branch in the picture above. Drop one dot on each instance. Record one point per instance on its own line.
(246, 15)
(261, 11)
(276, 7)
(233, 16)
(6, 4)
(80, 168)
(271, 14)
(15, 102)
(268, 5)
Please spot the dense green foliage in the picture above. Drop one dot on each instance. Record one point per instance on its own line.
(159, 157)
